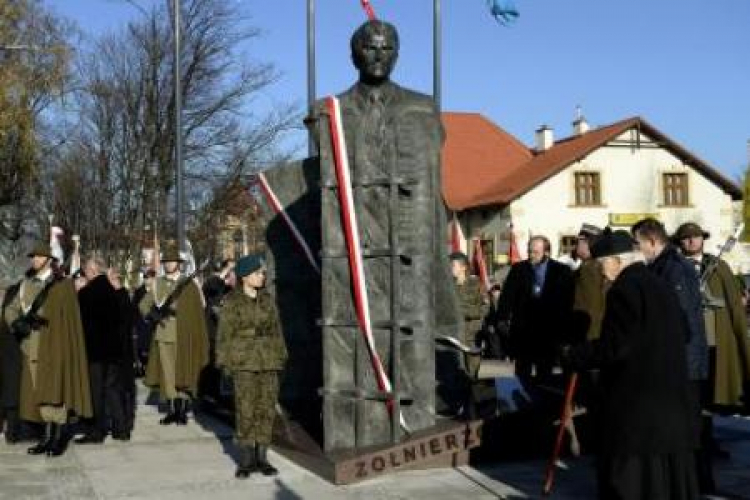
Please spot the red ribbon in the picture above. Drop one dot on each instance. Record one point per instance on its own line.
(369, 10)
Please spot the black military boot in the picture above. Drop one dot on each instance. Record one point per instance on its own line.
(171, 417)
(262, 456)
(181, 409)
(60, 440)
(43, 445)
(248, 462)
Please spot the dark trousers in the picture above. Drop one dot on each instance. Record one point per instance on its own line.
(111, 398)
(703, 437)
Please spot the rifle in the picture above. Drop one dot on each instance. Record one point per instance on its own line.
(22, 326)
(709, 301)
(158, 314)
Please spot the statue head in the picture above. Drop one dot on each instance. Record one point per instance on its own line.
(374, 51)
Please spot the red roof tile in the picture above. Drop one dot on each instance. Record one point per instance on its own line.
(477, 152)
(503, 174)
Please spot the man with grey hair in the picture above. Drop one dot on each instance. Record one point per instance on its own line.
(106, 323)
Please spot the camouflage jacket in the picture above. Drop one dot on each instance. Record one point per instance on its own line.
(249, 336)
(472, 304)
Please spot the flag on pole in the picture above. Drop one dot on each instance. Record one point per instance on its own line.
(513, 254)
(55, 234)
(457, 241)
(481, 264)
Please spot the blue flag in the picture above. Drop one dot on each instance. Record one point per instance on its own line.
(504, 11)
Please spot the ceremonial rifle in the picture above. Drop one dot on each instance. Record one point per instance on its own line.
(22, 326)
(158, 314)
(709, 301)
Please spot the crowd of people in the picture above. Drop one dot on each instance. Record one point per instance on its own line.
(73, 344)
(655, 326)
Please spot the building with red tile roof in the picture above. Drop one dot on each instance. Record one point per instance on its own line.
(610, 175)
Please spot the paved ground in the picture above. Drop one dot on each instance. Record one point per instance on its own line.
(195, 462)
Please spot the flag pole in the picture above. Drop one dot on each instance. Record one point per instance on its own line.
(311, 149)
(437, 50)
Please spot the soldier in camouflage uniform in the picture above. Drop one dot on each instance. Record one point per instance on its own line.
(251, 348)
(473, 307)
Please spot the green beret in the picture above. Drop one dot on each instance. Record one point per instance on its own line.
(248, 265)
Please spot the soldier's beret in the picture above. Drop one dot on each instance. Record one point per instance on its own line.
(248, 265)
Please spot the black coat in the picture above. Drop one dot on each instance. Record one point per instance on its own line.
(536, 323)
(644, 407)
(681, 277)
(10, 358)
(106, 318)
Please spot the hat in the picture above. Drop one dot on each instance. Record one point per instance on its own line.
(41, 249)
(688, 230)
(612, 243)
(248, 265)
(589, 231)
(459, 256)
(171, 254)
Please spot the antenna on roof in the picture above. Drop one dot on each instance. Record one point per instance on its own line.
(579, 112)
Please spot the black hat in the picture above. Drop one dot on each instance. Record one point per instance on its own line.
(589, 231)
(459, 256)
(612, 243)
(689, 229)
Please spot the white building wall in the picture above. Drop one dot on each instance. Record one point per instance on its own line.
(630, 180)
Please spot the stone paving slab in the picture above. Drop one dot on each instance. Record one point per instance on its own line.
(196, 462)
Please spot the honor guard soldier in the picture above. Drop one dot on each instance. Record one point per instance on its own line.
(179, 347)
(251, 348)
(473, 307)
(54, 384)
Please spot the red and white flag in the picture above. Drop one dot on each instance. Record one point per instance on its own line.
(354, 247)
(457, 239)
(513, 253)
(481, 264)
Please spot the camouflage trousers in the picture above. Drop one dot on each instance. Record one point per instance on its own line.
(255, 397)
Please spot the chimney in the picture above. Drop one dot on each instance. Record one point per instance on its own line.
(544, 138)
(580, 125)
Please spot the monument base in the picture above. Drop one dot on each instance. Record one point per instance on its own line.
(444, 445)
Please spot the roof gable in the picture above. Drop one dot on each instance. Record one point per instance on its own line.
(518, 177)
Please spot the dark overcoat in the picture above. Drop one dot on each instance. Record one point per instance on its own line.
(537, 324)
(644, 407)
(10, 357)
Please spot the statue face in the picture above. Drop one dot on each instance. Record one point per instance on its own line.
(375, 56)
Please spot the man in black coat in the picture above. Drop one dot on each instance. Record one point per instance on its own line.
(10, 373)
(106, 318)
(644, 427)
(536, 302)
(665, 261)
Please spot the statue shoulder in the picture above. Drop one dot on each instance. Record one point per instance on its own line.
(412, 98)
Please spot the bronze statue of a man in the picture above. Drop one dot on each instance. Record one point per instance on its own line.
(393, 142)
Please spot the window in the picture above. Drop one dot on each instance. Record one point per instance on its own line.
(587, 189)
(568, 244)
(675, 190)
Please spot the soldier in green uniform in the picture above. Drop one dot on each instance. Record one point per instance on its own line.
(473, 306)
(179, 347)
(250, 347)
(44, 318)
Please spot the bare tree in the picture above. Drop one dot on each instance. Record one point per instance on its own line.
(121, 154)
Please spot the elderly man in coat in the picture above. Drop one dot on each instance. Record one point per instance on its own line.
(645, 438)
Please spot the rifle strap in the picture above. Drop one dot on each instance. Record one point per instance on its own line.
(40, 298)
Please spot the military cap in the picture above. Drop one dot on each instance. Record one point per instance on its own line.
(460, 256)
(612, 243)
(688, 230)
(41, 249)
(171, 254)
(248, 264)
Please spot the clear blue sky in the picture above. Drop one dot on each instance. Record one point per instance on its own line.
(684, 65)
